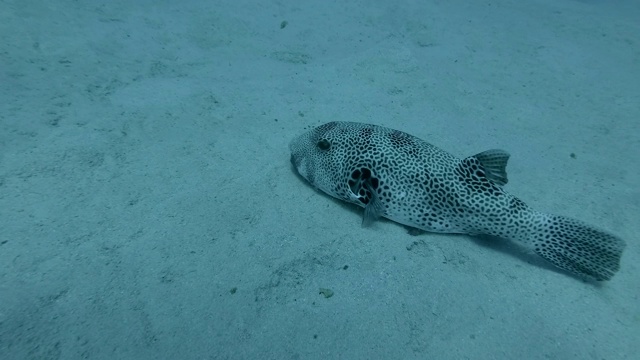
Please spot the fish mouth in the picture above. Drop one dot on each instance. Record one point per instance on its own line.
(301, 167)
(295, 161)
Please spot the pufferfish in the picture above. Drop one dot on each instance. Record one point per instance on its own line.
(400, 177)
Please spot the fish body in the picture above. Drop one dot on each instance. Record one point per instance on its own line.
(400, 177)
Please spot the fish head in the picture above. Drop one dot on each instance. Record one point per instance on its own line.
(319, 156)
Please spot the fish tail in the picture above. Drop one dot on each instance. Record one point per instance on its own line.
(575, 246)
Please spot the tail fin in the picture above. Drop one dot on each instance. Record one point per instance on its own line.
(577, 247)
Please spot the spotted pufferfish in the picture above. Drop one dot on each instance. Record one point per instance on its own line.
(400, 177)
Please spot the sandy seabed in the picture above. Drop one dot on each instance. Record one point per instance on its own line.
(148, 209)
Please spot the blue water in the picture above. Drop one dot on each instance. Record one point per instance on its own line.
(148, 208)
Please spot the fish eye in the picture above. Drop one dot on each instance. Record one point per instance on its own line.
(324, 144)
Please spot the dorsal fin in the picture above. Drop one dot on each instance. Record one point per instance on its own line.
(494, 163)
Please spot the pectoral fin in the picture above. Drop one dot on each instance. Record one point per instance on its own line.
(374, 209)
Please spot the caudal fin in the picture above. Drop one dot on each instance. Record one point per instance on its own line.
(577, 247)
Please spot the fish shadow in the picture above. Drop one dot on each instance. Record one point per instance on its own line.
(522, 253)
(506, 246)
